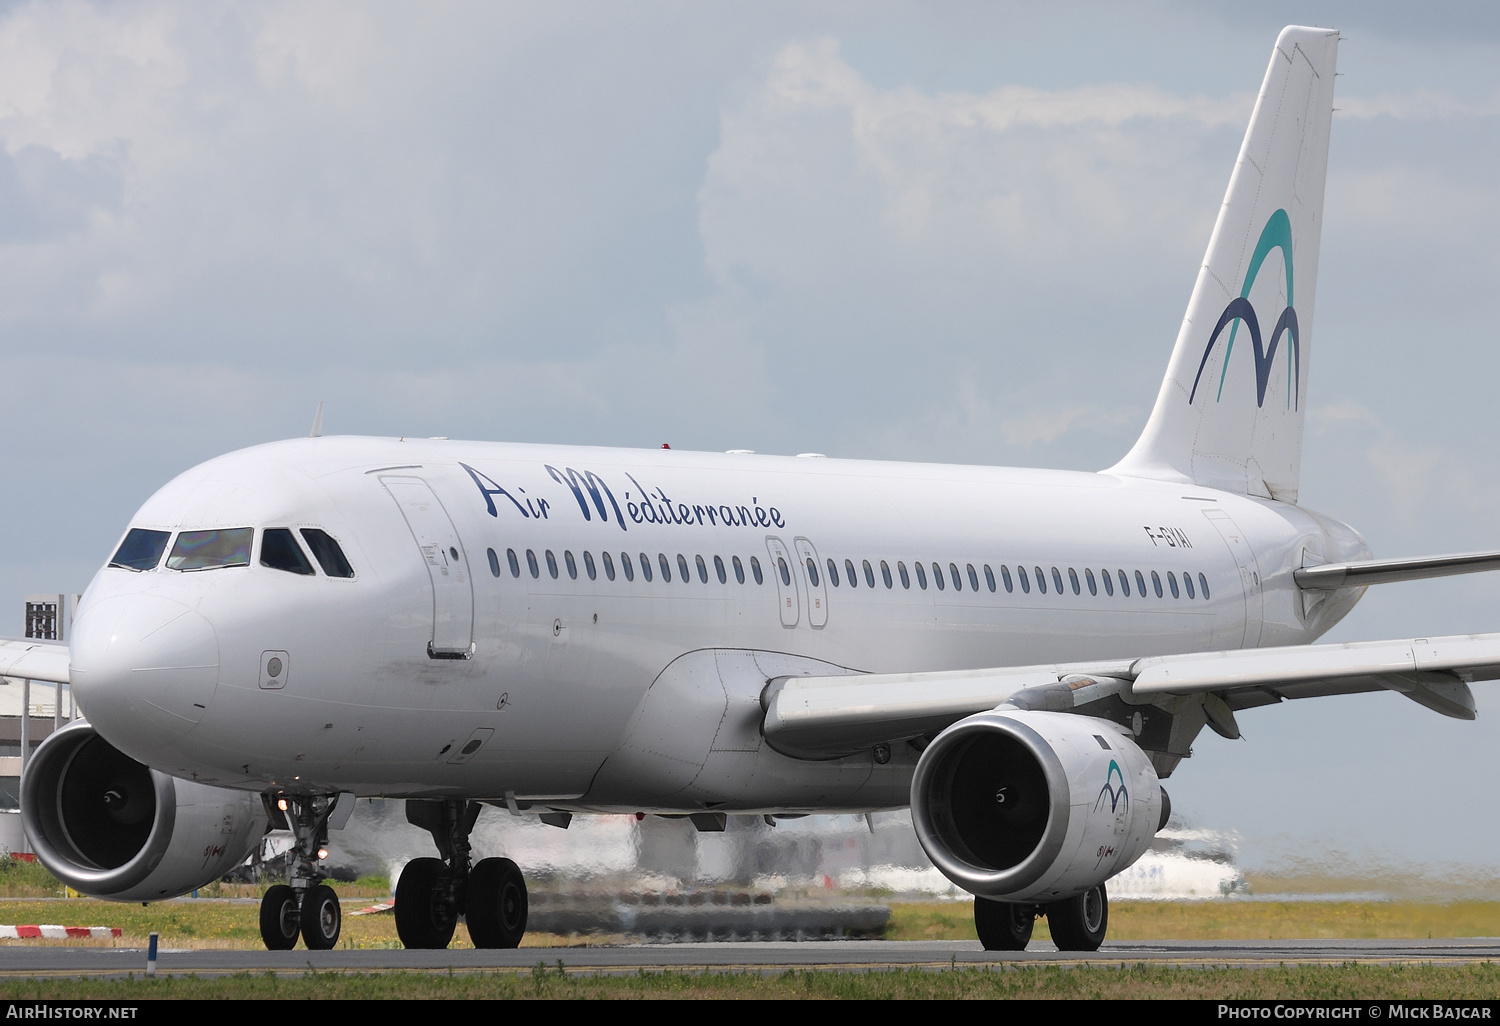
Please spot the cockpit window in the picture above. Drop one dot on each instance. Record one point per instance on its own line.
(141, 549)
(209, 550)
(327, 552)
(280, 551)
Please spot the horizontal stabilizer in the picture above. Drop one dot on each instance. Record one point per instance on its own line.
(34, 660)
(1332, 576)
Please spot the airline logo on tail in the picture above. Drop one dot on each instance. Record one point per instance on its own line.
(1277, 234)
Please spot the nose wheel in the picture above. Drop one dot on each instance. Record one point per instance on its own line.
(307, 908)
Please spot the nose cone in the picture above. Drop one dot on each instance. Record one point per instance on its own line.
(144, 668)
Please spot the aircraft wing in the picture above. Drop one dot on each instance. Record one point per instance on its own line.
(34, 660)
(821, 717)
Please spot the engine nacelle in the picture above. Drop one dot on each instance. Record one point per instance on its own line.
(1034, 806)
(112, 828)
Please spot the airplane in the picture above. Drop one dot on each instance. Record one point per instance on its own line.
(1019, 656)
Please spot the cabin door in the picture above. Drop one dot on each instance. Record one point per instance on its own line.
(447, 567)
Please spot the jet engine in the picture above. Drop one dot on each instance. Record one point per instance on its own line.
(1023, 805)
(112, 828)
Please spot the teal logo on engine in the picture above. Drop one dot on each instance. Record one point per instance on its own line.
(1114, 790)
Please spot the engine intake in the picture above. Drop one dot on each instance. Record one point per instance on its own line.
(1034, 806)
(110, 827)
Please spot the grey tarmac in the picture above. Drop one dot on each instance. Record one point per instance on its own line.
(767, 957)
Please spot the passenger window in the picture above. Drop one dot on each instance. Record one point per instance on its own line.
(1005, 576)
(515, 564)
(1073, 580)
(1041, 581)
(974, 579)
(1140, 585)
(1187, 582)
(739, 569)
(141, 549)
(571, 564)
(833, 573)
(646, 567)
(760, 578)
(326, 551)
(954, 576)
(682, 569)
(212, 550)
(719, 569)
(784, 570)
(609, 565)
(1156, 583)
(870, 574)
(812, 571)
(850, 575)
(1203, 585)
(1172, 583)
(491, 553)
(666, 567)
(1109, 583)
(1088, 576)
(279, 551)
(552, 564)
(989, 578)
(1025, 581)
(1057, 580)
(627, 566)
(703, 569)
(885, 572)
(921, 574)
(905, 581)
(588, 565)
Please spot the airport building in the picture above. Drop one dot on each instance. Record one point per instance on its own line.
(30, 710)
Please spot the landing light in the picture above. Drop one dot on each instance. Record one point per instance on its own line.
(281, 804)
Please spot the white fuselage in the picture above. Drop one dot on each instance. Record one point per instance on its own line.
(171, 666)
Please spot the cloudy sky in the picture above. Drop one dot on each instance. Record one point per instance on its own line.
(949, 232)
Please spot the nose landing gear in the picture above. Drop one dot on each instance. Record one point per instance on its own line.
(308, 907)
(432, 894)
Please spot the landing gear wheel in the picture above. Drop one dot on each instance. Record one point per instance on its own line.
(321, 918)
(495, 904)
(424, 915)
(1003, 925)
(1078, 924)
(279, 918)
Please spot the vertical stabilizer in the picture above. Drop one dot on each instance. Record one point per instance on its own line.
(1229, 414)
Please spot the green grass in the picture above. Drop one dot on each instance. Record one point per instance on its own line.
(1137, 982)
(1233, 920)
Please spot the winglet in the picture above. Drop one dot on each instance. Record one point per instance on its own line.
(317, 428)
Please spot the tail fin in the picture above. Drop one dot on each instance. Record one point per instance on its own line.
(1229, 414)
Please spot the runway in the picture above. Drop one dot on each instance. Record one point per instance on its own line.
(772, 957)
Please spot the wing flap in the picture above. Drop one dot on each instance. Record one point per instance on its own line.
(1308, 670)
(34, 660)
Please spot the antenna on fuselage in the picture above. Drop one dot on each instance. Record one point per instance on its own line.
(317, 428)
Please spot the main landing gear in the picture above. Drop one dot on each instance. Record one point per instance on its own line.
(432, 894)
(308, 907)
(1077, 924)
